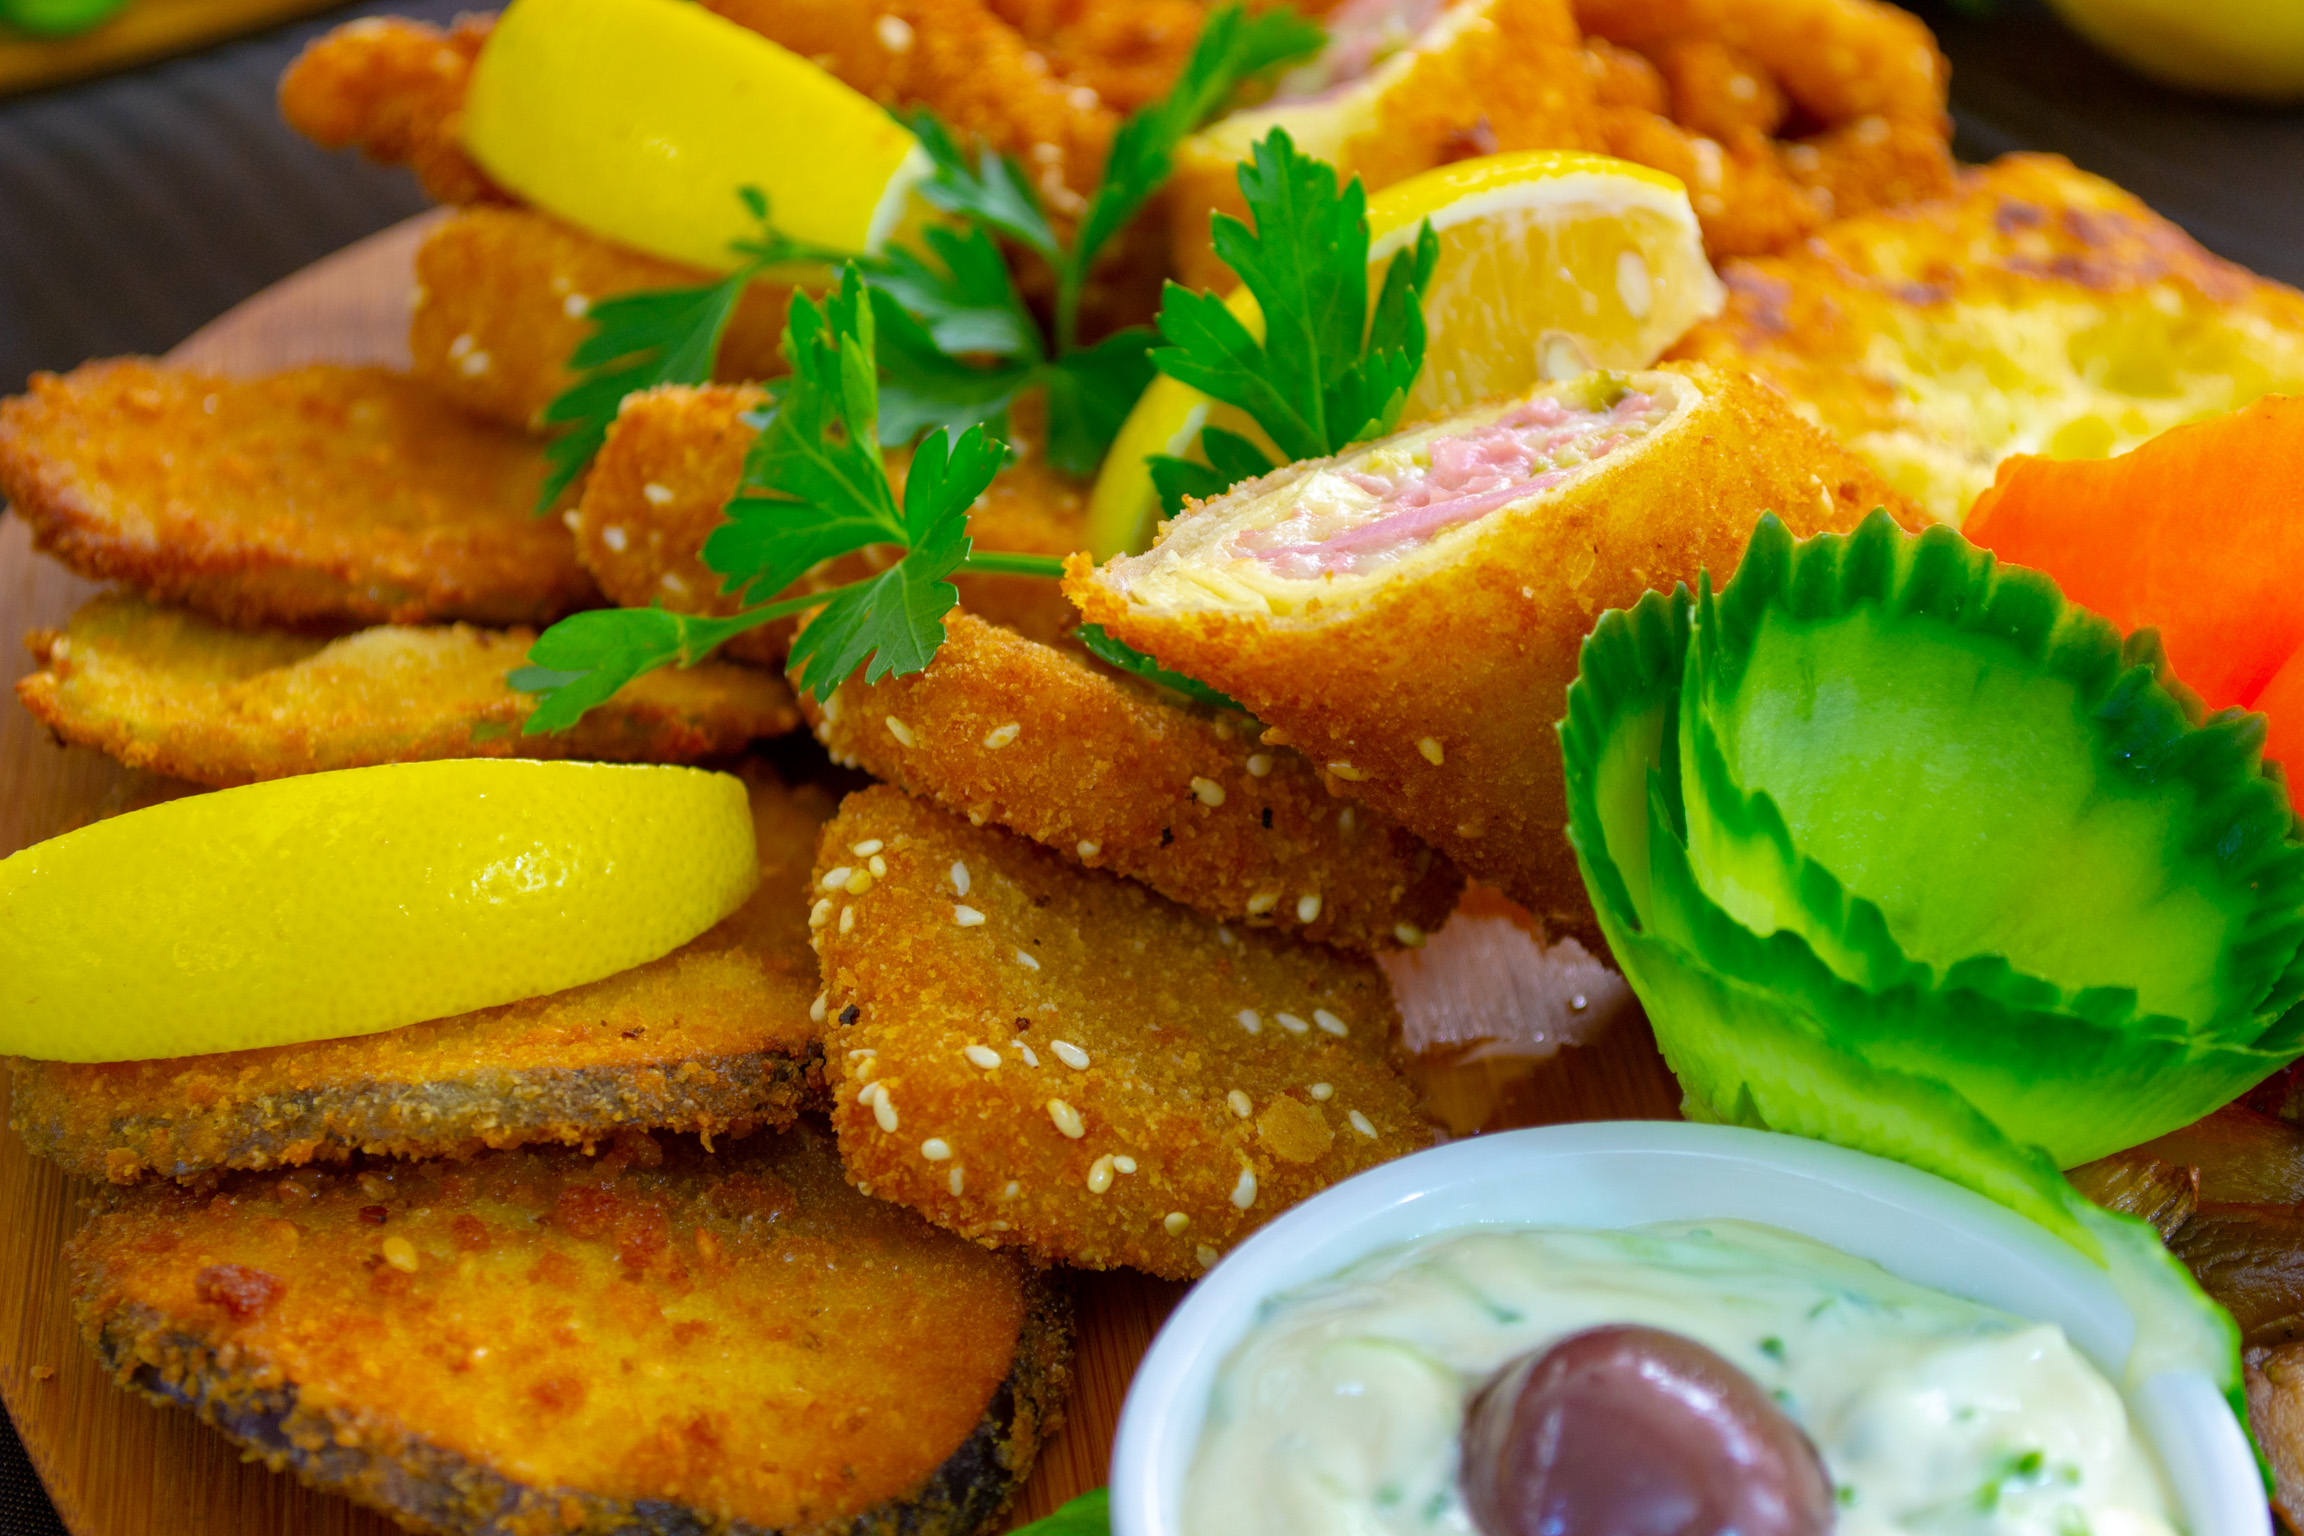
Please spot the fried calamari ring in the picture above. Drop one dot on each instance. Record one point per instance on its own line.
(1119, 775)
(1858, 84)
(672, 461)
(1051, 1058)
(394, 89)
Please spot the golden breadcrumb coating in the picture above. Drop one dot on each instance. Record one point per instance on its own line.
(673, 460)
(1051, 1058)
(1433, 692)
(1703, 89)
(661, 1339)
(167, 690)
(1486, 76)
(2037, 310)
(394, 89)
(502, 296)
(318, 496)
(714, 1037)
(1128, 52)
(1118, 775)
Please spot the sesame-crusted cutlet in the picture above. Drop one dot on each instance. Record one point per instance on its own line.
(1053, 1058)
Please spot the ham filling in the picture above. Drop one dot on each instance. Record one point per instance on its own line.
(1354, 521)
(1362, 34)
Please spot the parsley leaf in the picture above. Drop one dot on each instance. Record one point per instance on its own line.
(991, 190)
(1090, 393)
(582, 660)
(1126, 658)
(1088, 1515)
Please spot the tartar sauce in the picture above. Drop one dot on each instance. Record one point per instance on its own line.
(1338, 1414)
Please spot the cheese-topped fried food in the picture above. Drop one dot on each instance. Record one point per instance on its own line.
(502, 296)
(1779, 115)
(318, 496)
(1408, 614)
(714, 1037)
(1117, 774)
(2037, 310)
(674, 458)
(394, 89)
(660, 1339)
(1048, 1057)
(168, 690)
(1402, 86)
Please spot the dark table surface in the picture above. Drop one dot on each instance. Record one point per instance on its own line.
(135, 209)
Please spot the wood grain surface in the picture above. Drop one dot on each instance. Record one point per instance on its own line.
(117, 1466)
(147, 29)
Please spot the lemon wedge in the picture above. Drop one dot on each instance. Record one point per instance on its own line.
(1551, 263)
(346, 903)
(640, 120)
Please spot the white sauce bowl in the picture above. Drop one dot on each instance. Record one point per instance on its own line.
(1630, 1173)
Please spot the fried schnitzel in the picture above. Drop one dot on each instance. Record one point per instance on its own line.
(167, 690)
(320, 496)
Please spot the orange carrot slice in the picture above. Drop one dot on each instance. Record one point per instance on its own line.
(2199, 532)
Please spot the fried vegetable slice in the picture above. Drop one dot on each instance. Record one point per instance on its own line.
(1119, 775)
(501, 300)
(674, 458)
(2250, 1258)
(318, 496)
(715, 1037)
(1046, 1057)
(2276, 1420)
(661, 1340)
(2161, 1195)
(394, 88)
(168, 690)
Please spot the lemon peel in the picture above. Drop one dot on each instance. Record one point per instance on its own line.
(346, 903)
(1552, 262)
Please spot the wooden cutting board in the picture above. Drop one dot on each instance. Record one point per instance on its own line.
(117, 1466)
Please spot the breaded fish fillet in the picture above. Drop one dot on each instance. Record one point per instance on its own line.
(2037, 310)
(394, 89)
(1118, 775)
(714, 1037)
(1409, 614)
(319, 496)
(501, 300)
(660, 1340)
(1051, 1058)
(168, 690)
(674, 458)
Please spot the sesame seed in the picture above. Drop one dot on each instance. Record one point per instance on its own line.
(861, 1050)
(884, 1108)
(1000, 735)
(1030, 1059)
(1251, 1020)
(1433, 753)
(1239, 1103)
(1089, 850)
(1011, 1190)
(847, 919)
(1262, 903)
(1070, 1054)
(1067, 1119)
(1259, 764)
(859, 881)
(1206, 1255)
(1578, 1003)
(572, 520)
(936, 1149)
(1346, 772)
(1027, 961)
(477, 364)
(983, 1056)
(1308, 908)
(1328, 1022)
(878, 866)
(1409, 934)
(835, 878)
(658, 495)
(1100, 1174)
(1175, 1222)
(613, 537)
(821, 913)
(672, 583)
(1209, 792)
(400, 1254)
(816, 1010)
(967, 916)
(867, 848)
(1323, 1091)
(954, 1183)
(1223, 935)
(1123, 1162)
(1290, 1023)
(960, 877)
(1360, 1124)
(1244, 1192)
(576, 306)
(1348, 820)
(894, 32)
(899, 730)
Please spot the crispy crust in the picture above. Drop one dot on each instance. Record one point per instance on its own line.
(169, 691)
(1476, 658)
(501, 299)
(714, 1037)
(1087, 759)
(393, 88)
(1148, 990)
(881, 1378)
(318, 496)
(672, 461)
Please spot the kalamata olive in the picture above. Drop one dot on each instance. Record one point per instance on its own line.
(1625, 1431)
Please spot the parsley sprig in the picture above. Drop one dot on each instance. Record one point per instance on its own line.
(815, 487)
(1326, 374)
